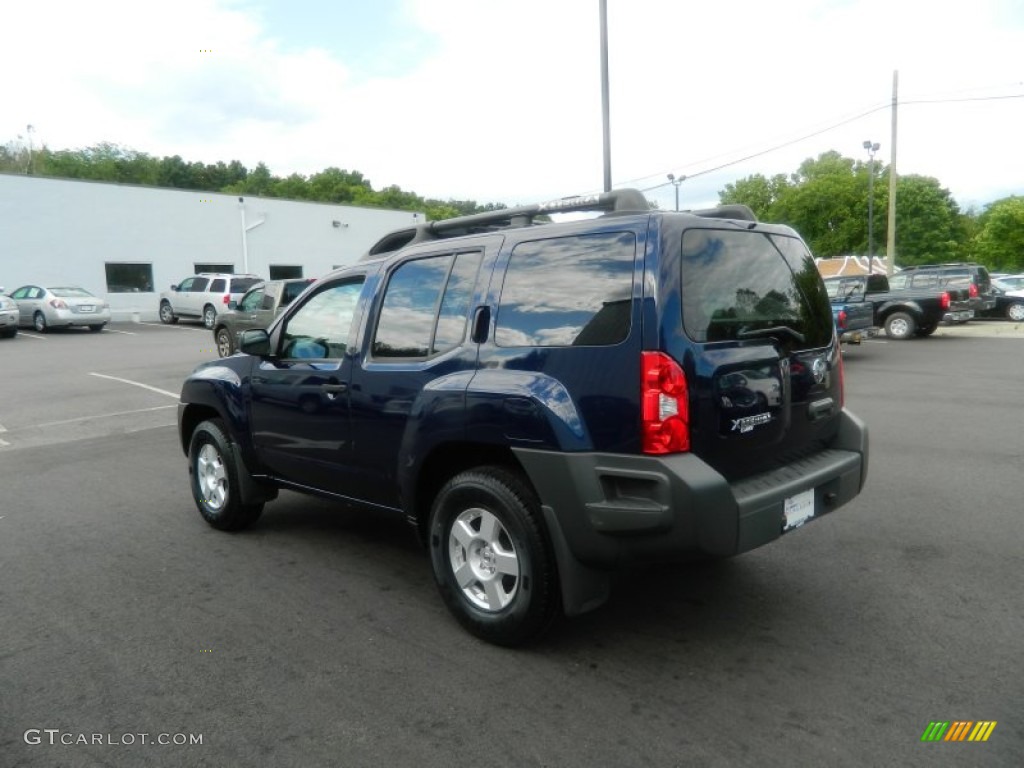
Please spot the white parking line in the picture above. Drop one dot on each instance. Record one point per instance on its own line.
(102, 416)
(22, 334)
(177, 327)
(126, 333)
(136, 384)
(3, 443)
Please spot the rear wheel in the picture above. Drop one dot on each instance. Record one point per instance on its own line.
(492, 561)
(214, 479)
(96, 328)
(209, 316)
(900, 325)
(225, 346)
(1015, 312)
(166, 313)
(10, 333)
(926, 330)
(39, 322)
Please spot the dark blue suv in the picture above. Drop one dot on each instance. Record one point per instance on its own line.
(545, 402)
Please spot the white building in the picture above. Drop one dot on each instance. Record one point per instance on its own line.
(127, 243)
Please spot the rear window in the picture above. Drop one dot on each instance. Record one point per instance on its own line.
(746, 285)
(71, 293)
(243, 284)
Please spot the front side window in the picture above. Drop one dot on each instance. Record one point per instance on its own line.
(186, 285)
(321, 327)
(21, 293)
(425, 306)
(568, 291)
(252, 301)
(746, 285)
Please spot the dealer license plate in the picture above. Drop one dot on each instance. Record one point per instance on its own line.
(797, 510)
(86, 308)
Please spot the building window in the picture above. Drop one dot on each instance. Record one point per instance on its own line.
(129, 278)
(224, 269)
(284, 272)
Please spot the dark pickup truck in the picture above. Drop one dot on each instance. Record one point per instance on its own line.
(854, 321)
(902, 313)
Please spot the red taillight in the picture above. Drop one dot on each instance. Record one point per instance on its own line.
(664, 409)
(944, 301)
(58, 304)
(842, 318)
(227, 298)
(973, 291)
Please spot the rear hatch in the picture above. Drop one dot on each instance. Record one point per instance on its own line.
(758, 347)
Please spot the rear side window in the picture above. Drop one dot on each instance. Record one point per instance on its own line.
(217, 286)
(745, 285)
(568, 291)
(426, 306)
(242, 284)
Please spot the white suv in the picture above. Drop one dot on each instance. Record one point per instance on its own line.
(204, 296)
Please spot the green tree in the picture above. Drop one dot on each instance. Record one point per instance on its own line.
(758, 192)
(928, 221)
(999, 242)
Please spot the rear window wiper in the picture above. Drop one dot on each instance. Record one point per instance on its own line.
(777, 330)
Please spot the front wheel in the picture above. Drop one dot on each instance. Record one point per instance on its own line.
(209, 316)
(1015, 312)
(167, 316)
(926, 330)
(900, 326)
(491, 558)
(96, 328)
(214, 479)
(225, 346)
(39, 322)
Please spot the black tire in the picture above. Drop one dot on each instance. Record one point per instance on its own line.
(96, 328)
(10, 333)
(39, 322)
(167, 316)
(499, 517)
(225, 344)
(926, 330)
(1015, 312)
(213, 478)
(209, 316)
(900, 326)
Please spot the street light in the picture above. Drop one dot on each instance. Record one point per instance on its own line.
(871, 148)
(675, 183)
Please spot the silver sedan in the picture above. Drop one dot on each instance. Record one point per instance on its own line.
(8, 317)
(60, 307)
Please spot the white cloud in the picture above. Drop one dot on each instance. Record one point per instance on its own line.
(506, 106)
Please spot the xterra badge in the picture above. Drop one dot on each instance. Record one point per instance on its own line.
(747, 423)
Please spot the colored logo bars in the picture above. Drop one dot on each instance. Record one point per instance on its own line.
(959, 730)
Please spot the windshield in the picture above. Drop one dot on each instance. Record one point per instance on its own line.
(71, 293)
(740, 285)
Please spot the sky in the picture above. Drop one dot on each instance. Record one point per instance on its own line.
(499, 101)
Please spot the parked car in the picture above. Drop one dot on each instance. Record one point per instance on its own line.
(8, 316)
(544, 402)
(204, 296)
(60, 307)
(972, 276)
(256, 309)
(854, 321)
(903, 313)
(1009, 294)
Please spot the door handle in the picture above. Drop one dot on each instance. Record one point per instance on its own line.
(481, 324)
(334, 389)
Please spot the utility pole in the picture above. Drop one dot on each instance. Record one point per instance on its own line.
(890, 245)
(605, 119)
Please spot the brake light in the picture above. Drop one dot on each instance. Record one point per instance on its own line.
(664, 408)
(226, 299)
(58, 304)
(944, 301)
(973, 291)
(842, 318)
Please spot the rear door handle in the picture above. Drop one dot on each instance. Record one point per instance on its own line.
(334, 389)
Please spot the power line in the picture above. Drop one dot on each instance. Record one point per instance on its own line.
(841, 123)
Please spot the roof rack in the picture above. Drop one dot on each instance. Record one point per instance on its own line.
(616, 201)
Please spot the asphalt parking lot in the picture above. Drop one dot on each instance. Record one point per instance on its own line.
(317, 638)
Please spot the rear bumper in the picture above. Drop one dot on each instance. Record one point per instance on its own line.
(604, 510)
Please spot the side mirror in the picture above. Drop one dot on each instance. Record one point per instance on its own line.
(174, 287)
(255, 341)
(232, 304)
